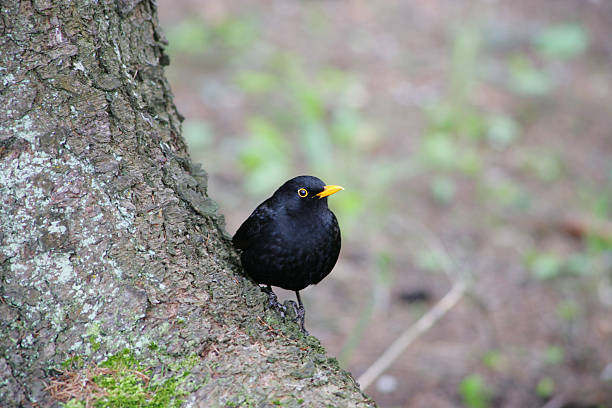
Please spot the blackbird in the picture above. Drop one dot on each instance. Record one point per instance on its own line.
(291, 240)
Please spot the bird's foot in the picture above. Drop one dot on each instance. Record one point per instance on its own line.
(300, 316)
(273, 301)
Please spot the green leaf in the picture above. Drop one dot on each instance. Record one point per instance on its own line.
(470, 123)
(310, 103)
(544, 265)
(562, 41)
(554, 355)
(493, 359)
(474, 392)
(545, 387)
(439, 150)
(527, 80)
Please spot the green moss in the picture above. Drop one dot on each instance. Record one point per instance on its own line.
(95, 345)
(73, 363)
(190, 361)
(128, 383)
(93, 333)
(122, 360)
(287, 326)
(241, 401)
(74, 404)
(315, 345)
(126, 389)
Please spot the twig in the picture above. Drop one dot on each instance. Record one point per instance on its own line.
(421, 326)
(459, 288)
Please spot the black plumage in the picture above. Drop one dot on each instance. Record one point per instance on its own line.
(291, 240)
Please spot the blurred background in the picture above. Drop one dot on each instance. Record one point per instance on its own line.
(474, 141)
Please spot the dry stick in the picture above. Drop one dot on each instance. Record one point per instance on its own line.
(421, 326)
(427, 320)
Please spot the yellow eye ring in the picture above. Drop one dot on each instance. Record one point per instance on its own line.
(302, 192)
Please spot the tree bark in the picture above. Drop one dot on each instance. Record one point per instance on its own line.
(109, 243)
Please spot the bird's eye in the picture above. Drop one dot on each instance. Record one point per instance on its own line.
(302, 192)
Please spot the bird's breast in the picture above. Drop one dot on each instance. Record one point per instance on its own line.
(294, 252)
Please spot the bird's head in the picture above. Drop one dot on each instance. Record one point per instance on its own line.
(305, 192)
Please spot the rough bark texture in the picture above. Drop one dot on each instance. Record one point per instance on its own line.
(108, 239)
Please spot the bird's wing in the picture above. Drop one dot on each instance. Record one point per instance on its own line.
(249, 231)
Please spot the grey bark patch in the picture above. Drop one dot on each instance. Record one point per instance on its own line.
(17, 100)
(108, 82)
(307, 370)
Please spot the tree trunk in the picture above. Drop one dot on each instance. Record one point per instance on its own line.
(114, 266)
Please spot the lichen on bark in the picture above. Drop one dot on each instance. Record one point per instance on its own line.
(109, 241)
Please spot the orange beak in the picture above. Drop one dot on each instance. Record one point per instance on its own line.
(329, 190)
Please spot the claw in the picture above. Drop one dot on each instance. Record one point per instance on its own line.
(273, 301)
(300, 312)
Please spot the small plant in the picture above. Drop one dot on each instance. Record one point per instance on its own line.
(548, 265)
(545, 387)
(544, 265)
(474, 392)
(494, 360)
(528, 80)
(562, 41)
(554, 355)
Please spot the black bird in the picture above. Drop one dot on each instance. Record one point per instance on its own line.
(291, 240)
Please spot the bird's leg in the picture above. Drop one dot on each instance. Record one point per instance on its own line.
(301, 313)
(273, 300)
